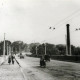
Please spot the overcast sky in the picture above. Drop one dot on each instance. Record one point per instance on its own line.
(29, 20)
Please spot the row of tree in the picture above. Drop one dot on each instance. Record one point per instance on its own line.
(7, 43)
(51, 49)
(16, 47)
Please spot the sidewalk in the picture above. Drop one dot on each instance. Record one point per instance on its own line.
(10, 72)
(2, 59)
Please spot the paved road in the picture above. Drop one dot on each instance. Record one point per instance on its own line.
(55, 70)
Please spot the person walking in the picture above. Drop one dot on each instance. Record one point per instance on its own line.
(12, 58)
(9, 59)
(42, 62)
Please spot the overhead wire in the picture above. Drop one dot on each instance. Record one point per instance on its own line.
(71, 16)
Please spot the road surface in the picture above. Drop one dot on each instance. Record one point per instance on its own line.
(55, 70)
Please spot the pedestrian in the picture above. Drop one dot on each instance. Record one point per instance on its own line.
(42, 62)
(12, 58)
(9, 59)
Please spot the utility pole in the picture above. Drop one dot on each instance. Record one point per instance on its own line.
(19, 49)
(45, 48)
(36, 50)
(7, 49)
(68, 40)
(66, 45)
(4, 46)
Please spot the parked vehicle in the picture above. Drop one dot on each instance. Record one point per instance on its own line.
(21, 56)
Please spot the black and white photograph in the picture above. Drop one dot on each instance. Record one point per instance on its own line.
(39, 39)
